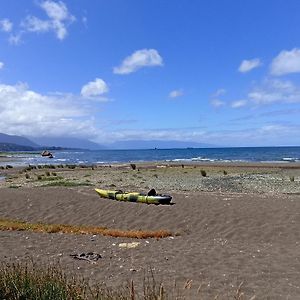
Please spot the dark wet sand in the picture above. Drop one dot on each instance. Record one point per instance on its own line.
(224, 239)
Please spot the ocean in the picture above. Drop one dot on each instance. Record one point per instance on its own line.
(245, 154)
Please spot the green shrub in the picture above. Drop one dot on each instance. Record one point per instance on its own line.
(27, 176)
(225, 172)
(203, 173)
(133, 166)
(292, 178)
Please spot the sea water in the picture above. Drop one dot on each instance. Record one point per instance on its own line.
(245, 154)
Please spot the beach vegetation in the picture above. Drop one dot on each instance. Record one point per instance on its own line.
(35, 282)
(47, 173)
(50, 166)
(64, 183)
(203, 173)
(9, 167)
(133, 166)
(71, 166)
(16, 225)
(2, 168)
(225, 172)
(12, 186)
(27, 176)
(39, 177)
(292, 178)
(31, 281)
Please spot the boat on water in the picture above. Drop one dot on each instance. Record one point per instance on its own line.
(47, 153)
(150, 198)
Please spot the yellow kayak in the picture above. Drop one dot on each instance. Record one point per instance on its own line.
(150, 198)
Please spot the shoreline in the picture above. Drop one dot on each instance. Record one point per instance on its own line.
(257, 164)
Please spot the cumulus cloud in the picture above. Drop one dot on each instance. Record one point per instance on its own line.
(239, 103)
(175, 94)
(6, 25)
(286, 62)
(26, 112)
(95, 89)
(248, 65)
(59, 18)
(139, 59)
(1, 65)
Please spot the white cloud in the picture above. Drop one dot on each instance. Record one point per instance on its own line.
(248, 65)
(94, 89)
(26, 112)
(6, 25)
(275, 91)
(15, 39)
(1, 65)
(35, 24)
(139, 59)
(239, 103)
(286, 62)
(175, 94)
(58, 21)
(55, 10)
(217, 103)
(265, 135)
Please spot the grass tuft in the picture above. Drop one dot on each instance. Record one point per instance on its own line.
(292, 178)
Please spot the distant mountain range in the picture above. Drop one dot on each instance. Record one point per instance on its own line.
(20, 143)
(66, 142)
(17, 140)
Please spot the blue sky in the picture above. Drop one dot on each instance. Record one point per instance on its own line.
(218, 72)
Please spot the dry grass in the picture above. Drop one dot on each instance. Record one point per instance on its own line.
(8, 224)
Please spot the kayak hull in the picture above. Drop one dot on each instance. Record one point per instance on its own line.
(134, 197)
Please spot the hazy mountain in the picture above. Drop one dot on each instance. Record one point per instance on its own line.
(66, 142)
(152, 144)
(16, 140)
(14, 147)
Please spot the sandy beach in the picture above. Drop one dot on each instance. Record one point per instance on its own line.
(239, 223)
